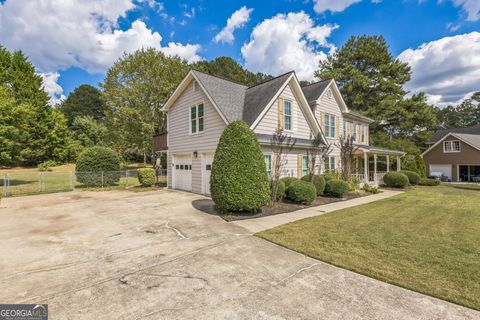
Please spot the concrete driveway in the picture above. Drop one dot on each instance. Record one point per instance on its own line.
(152, 255)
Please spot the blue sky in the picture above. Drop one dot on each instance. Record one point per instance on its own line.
(75, 42)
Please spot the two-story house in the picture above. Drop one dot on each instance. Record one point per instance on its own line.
(454, 154)
(203, 105)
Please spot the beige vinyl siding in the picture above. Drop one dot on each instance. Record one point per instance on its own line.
(180, 141)
(270, 121)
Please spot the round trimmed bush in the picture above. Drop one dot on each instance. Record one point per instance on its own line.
(301, 191)
(413, 177)
(318, 182)
(395, 180)
(429, 182)
(336, 188)
(146, 176)
(95, 160)
(239, 180)
(280, 190)
(288, 181)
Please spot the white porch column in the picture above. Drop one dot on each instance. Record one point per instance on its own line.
(388, 163)
(375, 167)
(398, 164)
(365, 166)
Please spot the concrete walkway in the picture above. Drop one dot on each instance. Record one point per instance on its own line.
(259, 224)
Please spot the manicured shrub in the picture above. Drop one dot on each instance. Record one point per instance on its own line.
(336, 188)
(288, 181)
(280, 190)
(429, 182)
(395, 179)
(331, 175)
(146, 176)
(413, 177)
(95, 160)
(302, 192)
(318, 182)
(239, 180)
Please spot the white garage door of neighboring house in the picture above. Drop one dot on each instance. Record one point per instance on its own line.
(182, 172)
(441, 169)
(206, 173)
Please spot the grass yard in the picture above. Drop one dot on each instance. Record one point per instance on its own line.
(426, 240)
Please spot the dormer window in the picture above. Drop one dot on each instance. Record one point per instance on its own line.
(451, 146)
(329, 125)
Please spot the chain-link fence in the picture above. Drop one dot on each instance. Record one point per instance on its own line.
(25, 183)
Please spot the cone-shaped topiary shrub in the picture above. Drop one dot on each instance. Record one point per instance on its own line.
(318, 182)
(413, 177)
(395, 179)
(239, 180)
(95, 160)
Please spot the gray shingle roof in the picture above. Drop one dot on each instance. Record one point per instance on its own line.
(475, 130)
(473, 139)
(257, 97)
(313, 91)
(228, 95)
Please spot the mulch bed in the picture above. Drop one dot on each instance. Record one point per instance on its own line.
(281, 207)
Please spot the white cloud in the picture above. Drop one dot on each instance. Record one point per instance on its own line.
(238, 19)
(51, 86)
(56, 35)
(333, 5)
(287, 42)
(471, 7)
(187, 52)
(447, 70)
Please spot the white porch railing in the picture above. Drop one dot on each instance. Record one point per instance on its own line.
(379, 177)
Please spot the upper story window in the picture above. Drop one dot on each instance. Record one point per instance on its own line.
(344, 129)
(355, 132)
(451, 146)
(287, 114)
(329, 125)
(196, 119)
(364, 134)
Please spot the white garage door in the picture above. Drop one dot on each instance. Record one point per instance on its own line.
(182, 172)
(441, 170)
(206, 173)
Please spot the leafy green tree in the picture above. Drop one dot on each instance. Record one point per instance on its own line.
(466, 114)
(228, 68)
(87, 131)
(239, 180)
(84, 101)
(135, 89)
(44, 133)
(371, 81)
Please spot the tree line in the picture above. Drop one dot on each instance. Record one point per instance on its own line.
(125, 111)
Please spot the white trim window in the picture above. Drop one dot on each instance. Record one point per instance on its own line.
(451, 146)
(268, 163)
(329, 125)
(364, 134)
(304, 165)
(329, 164)
(287, 114)
(344, 129)
(197, 119)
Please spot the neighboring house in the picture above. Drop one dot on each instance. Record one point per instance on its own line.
(454, 154)
(203, 105)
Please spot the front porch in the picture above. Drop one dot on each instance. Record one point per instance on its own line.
(371, 164)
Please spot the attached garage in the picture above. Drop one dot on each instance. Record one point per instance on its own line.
(182, 172)
(441, 170)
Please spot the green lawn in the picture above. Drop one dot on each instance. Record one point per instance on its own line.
(427, 240)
